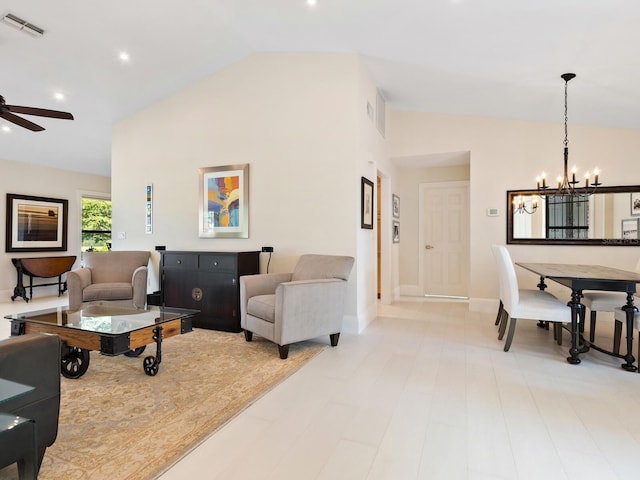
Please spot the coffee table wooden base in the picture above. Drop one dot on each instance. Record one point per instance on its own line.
(79, 343)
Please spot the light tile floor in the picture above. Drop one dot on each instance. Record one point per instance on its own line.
(426, 392)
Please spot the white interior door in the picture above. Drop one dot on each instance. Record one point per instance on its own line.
(445, 239)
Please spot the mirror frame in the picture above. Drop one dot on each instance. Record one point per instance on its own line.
(611, 242)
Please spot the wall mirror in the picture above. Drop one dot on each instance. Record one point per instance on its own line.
(611, 216)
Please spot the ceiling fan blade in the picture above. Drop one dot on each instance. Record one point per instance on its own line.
(21, 122)
(41, 112)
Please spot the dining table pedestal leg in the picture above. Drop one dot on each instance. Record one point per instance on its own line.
(630, 310)
(576, 309)
(541, 286)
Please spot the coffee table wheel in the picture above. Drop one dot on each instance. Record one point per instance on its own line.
(150, 366)
(136, 352)
(75, 362)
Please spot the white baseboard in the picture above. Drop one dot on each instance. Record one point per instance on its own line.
(350, 324)
(356, 324)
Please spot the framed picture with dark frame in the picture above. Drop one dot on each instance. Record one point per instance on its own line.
(224, 202)
(396, 232)
(366, 210)
(36, 224)
(635, 203)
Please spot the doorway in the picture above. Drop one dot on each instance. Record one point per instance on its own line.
(444, 239)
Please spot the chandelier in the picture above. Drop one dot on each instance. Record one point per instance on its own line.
(568, 185)
(520, 205)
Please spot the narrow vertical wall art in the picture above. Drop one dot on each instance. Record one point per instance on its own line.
(149, 209)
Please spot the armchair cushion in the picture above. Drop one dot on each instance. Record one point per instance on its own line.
(312, 267)
(107, 291)
(262, 306)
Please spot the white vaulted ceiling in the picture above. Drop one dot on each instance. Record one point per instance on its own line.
(496, 58)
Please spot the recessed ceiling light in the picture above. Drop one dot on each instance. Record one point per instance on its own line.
(312, 3)
(123, 56)
(5, 129)
(59, 96)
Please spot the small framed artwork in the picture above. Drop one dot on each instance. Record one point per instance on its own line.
(630, 228)
(366, 210)
(395, 205)
(148, 226)
(396, 232)
(224, 202)
(635, 203)
(36, 224)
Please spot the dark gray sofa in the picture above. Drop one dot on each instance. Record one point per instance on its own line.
(32, 359)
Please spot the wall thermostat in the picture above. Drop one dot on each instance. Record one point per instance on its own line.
(493, 212)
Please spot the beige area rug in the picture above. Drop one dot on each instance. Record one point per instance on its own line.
(116, 422)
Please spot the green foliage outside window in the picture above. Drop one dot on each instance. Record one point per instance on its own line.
(96, 225)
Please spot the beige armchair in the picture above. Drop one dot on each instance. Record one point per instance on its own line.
(115, 275)
(291, 307)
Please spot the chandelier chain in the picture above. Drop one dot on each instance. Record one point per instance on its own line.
(566, 116)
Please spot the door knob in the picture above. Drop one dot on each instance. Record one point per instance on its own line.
(429, 247)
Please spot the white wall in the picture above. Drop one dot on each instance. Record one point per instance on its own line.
(300, 122)
(507, 155)
(372, 162)
(26, 179)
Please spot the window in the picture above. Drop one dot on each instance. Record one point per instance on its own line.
(96, 224)
(568, 217)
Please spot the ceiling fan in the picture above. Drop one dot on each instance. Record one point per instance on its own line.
(8, 113)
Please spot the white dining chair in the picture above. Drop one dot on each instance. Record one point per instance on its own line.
(597, 301)
(621, 318)
(502, 317)
(500, 314)
(525, 304)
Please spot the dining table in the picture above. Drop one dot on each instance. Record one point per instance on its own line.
(590, 277)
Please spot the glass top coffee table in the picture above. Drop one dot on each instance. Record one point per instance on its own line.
(107, 328)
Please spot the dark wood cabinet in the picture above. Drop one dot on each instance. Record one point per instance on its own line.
(209, 282)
